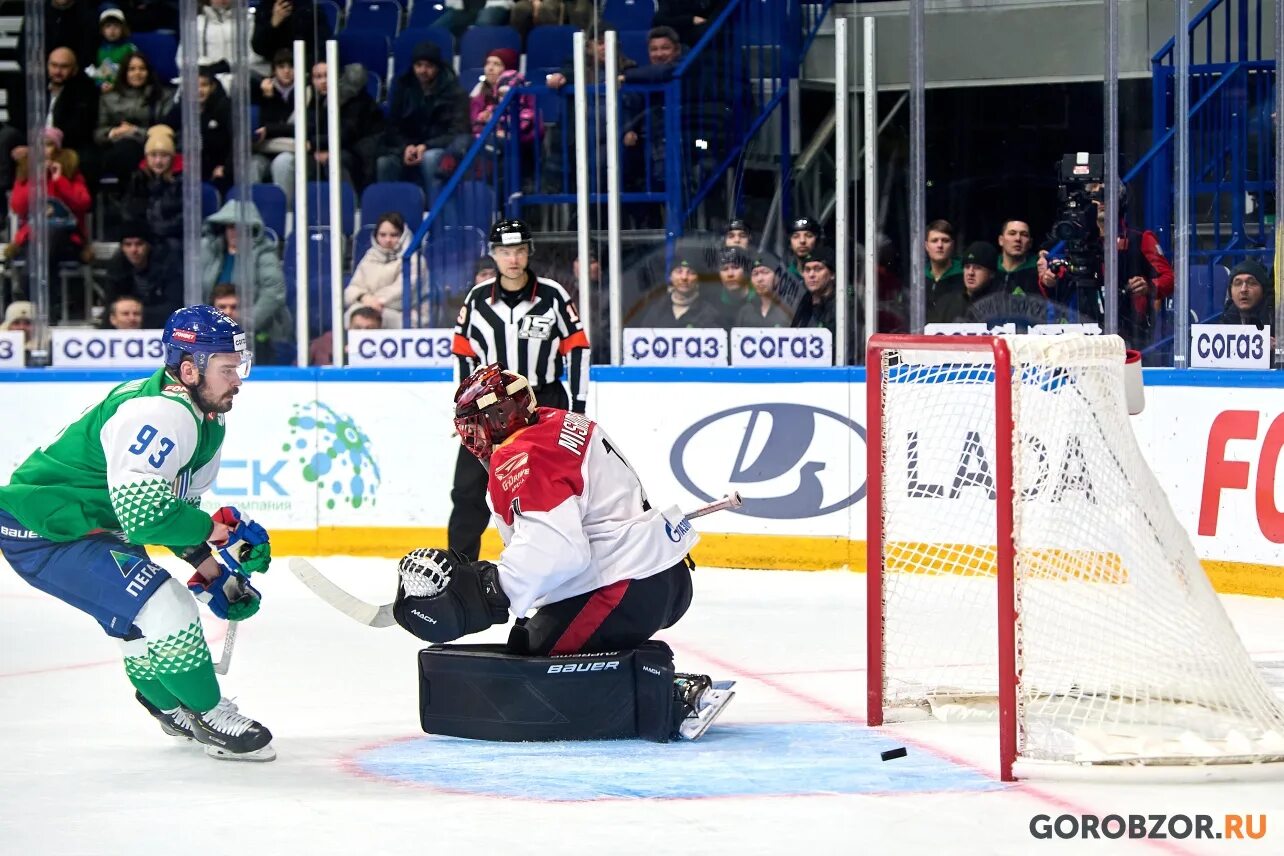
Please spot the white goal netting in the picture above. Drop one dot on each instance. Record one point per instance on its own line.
(1123, 651)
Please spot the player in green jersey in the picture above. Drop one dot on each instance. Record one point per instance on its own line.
(129, 472)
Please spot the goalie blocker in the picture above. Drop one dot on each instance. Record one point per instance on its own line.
(483, 693)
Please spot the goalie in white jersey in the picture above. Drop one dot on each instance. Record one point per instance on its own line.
(588, 565)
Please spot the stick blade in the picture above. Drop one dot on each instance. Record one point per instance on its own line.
(355, 608)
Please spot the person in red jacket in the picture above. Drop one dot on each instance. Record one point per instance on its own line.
(68, 204)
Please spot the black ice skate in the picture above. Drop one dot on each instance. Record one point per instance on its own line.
(175, 723)
(231, 736)
(702, 702)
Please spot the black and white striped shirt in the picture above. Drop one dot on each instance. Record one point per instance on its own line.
(532, 333)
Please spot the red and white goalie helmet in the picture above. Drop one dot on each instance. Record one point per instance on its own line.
(491, 404)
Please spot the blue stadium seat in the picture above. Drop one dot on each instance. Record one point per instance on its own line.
(403, 47)
(377, 16)
(160, 48)
(425, 13)
(632, 44)
(368, 48)
(320, 318)
(319, 206)
(405, 198)
(548, 47)
(360, 244)
(468, 78)
(270, 200)
(479, 41)
(472, 204)
(629, 14)
(210, 201)
(329, 10)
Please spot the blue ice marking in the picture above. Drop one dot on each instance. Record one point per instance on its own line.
(731, 760)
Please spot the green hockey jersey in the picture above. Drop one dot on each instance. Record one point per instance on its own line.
(137, 463)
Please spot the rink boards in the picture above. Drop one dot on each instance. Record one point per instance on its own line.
(360, 461)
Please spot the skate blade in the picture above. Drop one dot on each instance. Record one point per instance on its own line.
(265, 753)
(698, 727)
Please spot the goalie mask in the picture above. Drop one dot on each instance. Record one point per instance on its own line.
(490, 405)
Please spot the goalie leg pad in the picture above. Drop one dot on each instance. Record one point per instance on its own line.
(483, 693)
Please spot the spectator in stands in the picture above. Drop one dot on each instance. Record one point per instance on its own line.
(73, 109)
(737, 235)
(147, 269)
(113, 49)
(804, 233)
(279, 23)
(764, 307)
(10, 140)
(818, 307)
(221, 247)
(361, 123)
(1250, 297)
(688, 18)
(321, 349)
(126, 111)
(153, 193)
(1017, 271)
(274, 138)
(21, 316)
(944, 273)
(71, 24)
(733, 272)
(964, 304)
(427, 119)
(124, 312)
(682, 306)
(528, 14)
(378, 280)
(223, 297)
(499, 74)
(148, 16)
(214, 34)
(68, 204)
(216, 130)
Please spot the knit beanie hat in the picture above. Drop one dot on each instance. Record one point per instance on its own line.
(1254, 269)
(507, 56)
(160, 138)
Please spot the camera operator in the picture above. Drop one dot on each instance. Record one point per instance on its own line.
(1071, 265)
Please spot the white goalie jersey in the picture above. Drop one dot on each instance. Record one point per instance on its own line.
(573, 514)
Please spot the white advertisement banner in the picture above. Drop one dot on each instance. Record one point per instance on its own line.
(976, 328)
(1062, 329)
(1230, 346)
(306, 454)
(696, 346)
(107, 349)
(782, 346)
(423, 348)
(12, 349)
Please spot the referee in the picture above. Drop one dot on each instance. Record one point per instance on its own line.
(527, 324)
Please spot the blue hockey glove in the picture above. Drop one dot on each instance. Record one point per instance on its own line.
(247, 549)
(228, 596)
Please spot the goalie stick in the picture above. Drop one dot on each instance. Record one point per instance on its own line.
(375, 615)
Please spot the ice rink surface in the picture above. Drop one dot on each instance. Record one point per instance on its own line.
(790, 767)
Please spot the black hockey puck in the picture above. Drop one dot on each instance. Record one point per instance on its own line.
(890, 754)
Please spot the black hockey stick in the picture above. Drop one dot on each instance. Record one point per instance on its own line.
(376, 615)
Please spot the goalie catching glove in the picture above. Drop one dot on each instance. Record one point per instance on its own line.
(246, 550)
(443, 597)
(229, 595)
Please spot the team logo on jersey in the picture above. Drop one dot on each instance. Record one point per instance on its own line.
(535, 327)
(513, 472)
(786, 452)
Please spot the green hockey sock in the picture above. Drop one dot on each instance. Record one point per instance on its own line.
(143, 677)
(183, 666)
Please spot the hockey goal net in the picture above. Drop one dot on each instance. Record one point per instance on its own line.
(1025, 564)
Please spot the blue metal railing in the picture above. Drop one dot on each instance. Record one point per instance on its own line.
(1231, 154)
(681, 131)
